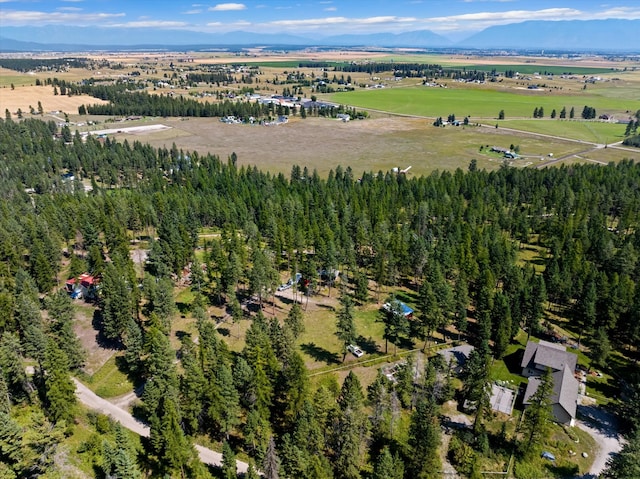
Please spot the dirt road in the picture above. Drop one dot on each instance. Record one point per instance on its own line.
(92, 401)
(602, 426)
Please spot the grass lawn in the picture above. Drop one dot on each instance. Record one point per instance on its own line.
(109, 381)
(592, 131)
(508, 368)
(475, 102)
(568, 453)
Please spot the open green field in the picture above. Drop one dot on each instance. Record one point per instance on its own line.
(531, 68)
(594, 131)
(477, 103)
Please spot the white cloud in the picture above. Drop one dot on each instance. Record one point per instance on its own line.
(330, 9)
(226, 7)
(21, 17)
(150, 24)
(69, 9)
(192, 12)
(321, 22)
(481, 20)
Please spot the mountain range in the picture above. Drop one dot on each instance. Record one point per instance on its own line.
(575, 35)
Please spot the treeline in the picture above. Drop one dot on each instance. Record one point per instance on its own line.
(632, 141)
(453, 237)
(145, 104)
(412, 70)
(210, 77)
(42, 64)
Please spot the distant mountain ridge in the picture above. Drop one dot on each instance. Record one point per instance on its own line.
(574, 35)
(583, 35)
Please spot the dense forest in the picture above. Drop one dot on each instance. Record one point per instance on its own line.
(454, 237)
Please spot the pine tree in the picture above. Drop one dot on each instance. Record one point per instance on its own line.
(388, 466)
(271, 465)
(346, 327)
(351, 427)
(424, 439)
(224, 409)
(537, 415)
(115, 302)
(61, 315)
(59, 389)
(396, 324)
(12, 367)
(295, 320)
(229, 468)
(430, 316)
(5, 400)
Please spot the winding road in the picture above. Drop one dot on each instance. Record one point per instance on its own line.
(93, 401)
(603, 427)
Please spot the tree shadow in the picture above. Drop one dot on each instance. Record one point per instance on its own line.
(605, 422)
(513, 361)
(136, 380)
(368, 345)
(320, 354)
(183, 308)
(98, 325)
(224, 332)
(567, 470)
(183, 336)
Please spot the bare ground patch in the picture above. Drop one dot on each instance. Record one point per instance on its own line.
(97, 355)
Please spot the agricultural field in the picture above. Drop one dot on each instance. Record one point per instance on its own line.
(479, 104)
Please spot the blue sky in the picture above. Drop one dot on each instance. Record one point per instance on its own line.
(308, 17)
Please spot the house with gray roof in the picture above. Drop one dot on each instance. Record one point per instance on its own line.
(539, 356)
(564, 398)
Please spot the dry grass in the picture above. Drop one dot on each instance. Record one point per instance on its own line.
(377, 144)
(24, 96)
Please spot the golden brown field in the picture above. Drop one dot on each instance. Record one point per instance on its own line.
(25, 96)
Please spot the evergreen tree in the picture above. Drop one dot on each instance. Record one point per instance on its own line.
(5, 399)
(396, 324)
(61, 316)
(346, 327)
(388, 466)
(12, 367)
(59, 390)
(229, 468)
(537, 415)
(295, 320)
(350, 429)
(115, 302)
(271, 465)
(601, 347)
(424, 439)
(430, 316)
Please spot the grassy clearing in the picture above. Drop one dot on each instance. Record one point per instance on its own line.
(109, 381)
(476, 102)
(567, 445)
(508, 368)
(593, 131)
(530, 69)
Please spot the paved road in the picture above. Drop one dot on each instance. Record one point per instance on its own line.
(92, 401)
(603, 427)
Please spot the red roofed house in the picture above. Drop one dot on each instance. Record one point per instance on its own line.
(84, 286)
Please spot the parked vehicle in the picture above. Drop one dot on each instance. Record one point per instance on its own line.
(355, 350)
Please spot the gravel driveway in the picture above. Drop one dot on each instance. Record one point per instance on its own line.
(92, 401)
(603, 427)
